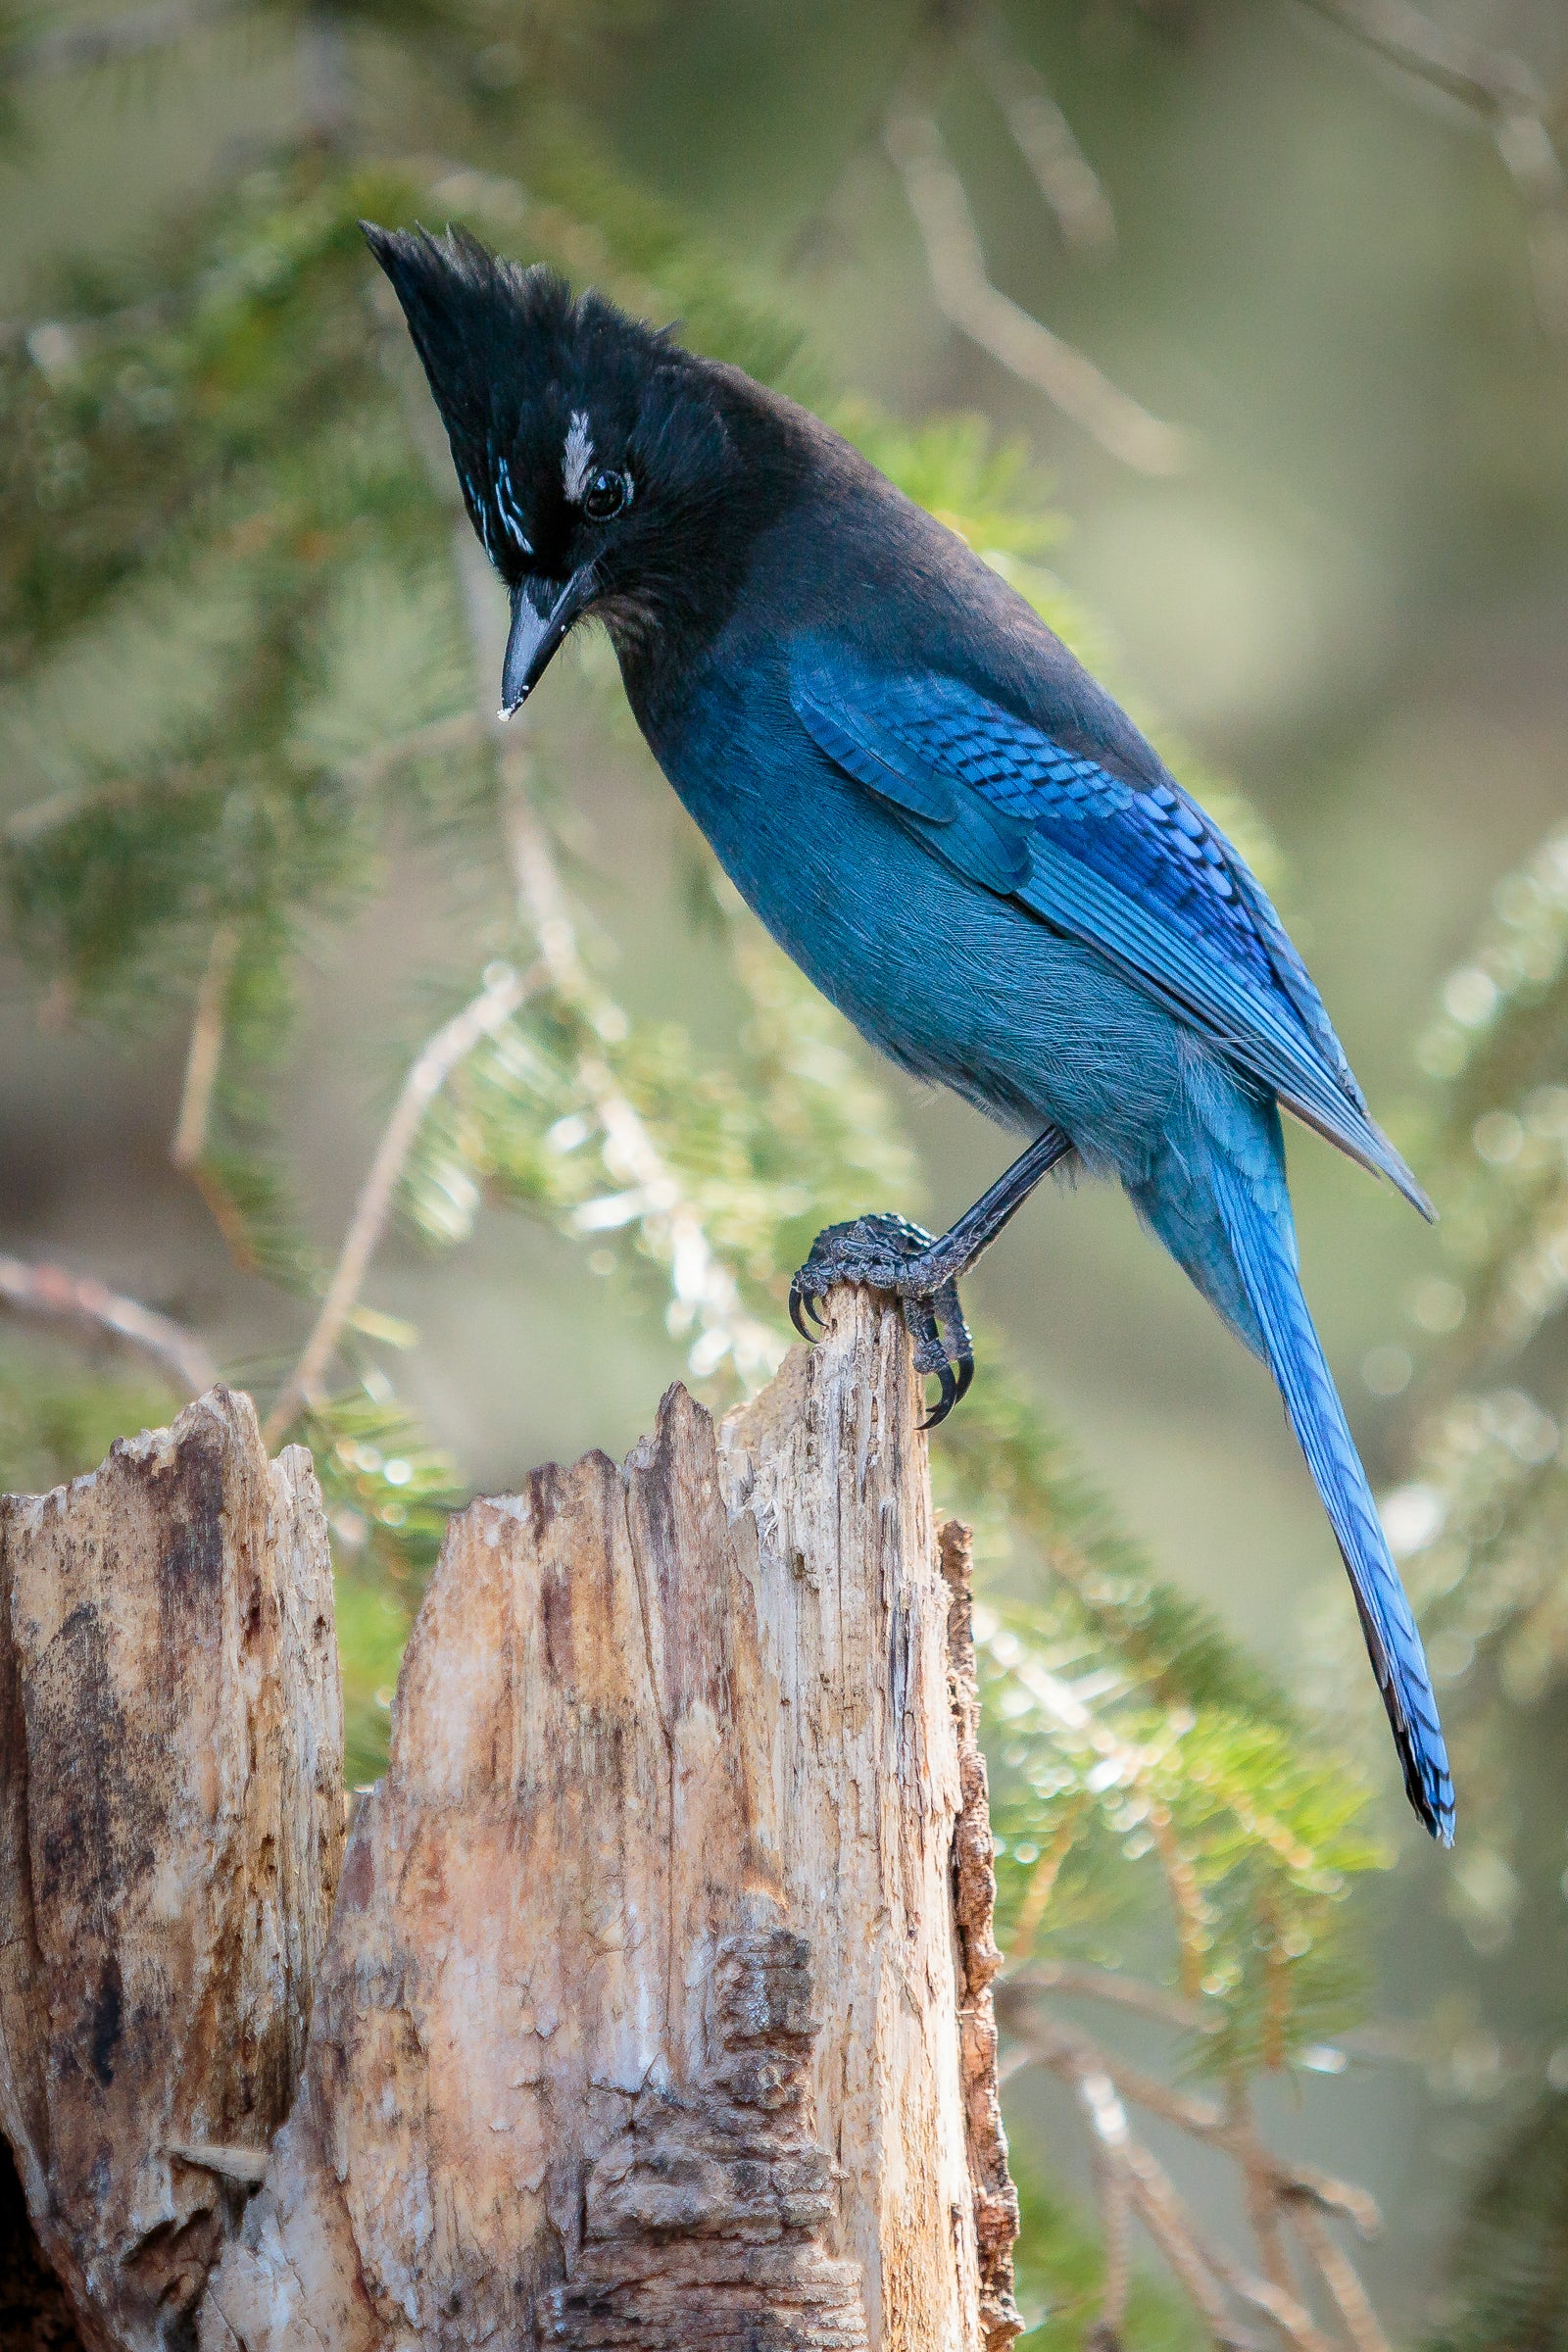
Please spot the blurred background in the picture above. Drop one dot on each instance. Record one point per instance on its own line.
(1308, 513)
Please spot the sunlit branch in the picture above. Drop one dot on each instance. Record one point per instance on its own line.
(1233, 2131)
(1044, 137)
(49, 1289)
(1261, 2191)
(1292, 2320)
(189, 1144)
(1152, 2194)
(1186, 1899)
(1077, 1980)
(1042, 1882)
(704, 1287)
(1013, 337)
(187, 1148)
(1509, 96)
(1193, 2263)
(1339, 2275)
(138, 32)
(504, 991)
(1277, 2194)
(1062, 1706)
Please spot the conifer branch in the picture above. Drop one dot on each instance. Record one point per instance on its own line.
(1230, 2128)
(1349, 2297)
(504, 991)
(1078, 1981)
(1277, 2194)
(51, 1291)
(1019, 341)
(188, 1145)
(1261, 2197)
(706, 1291)
(1068, 181)
(1197, 2269)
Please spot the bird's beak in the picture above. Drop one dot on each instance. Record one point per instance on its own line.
(542, 612)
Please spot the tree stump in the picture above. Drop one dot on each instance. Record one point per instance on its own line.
(171, 1835)
(654, 2008)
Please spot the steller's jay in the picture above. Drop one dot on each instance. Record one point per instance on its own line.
(938, 814)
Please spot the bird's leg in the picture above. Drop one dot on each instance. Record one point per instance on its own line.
(884, 1252)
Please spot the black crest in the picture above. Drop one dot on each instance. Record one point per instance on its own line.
(513, 356)
(492, 332)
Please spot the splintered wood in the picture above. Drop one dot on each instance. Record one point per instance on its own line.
(655, 2009)
(171, 1832)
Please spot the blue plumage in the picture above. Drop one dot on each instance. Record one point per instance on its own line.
(950, 827)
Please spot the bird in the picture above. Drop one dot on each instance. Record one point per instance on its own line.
(935, 810)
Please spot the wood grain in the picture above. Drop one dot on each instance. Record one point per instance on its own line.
(171, 1830)
(643, 2017)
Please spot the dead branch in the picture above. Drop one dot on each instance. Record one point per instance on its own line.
(1078, 1980)
(504, 991)
(1065, 2047)
(50, 1290)
(1068, 181)
(1013, 337)
(1505, 93)
(1277, 2194)
(1339, 2275)
(189, 1144)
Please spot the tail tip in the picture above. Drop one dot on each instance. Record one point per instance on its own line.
(1428, 1785)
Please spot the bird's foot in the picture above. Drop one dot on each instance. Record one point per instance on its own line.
(886, 1252)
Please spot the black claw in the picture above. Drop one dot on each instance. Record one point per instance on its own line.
(951, 1392)
(884, 1252)
(804, 1302)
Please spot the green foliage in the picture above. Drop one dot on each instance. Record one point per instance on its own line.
(1483, 1517)
(372, 1626)
(986, 490)
(1157, 1803)
(56, 1422)
(388, 1492)
(1482, 1522)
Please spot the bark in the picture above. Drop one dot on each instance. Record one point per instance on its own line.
(654, 2007)
(171, 1831)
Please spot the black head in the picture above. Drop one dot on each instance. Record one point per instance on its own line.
(595, 454)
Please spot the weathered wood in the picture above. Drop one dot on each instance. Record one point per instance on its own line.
(171, 1832)
(654, 2008)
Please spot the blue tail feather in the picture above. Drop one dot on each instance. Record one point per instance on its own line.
(1263, 1246)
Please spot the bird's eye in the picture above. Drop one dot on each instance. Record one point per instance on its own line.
(605, 496)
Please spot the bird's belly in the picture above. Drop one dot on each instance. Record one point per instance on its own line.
(950, 981)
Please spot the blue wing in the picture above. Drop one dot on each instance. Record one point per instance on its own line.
(1135, 869)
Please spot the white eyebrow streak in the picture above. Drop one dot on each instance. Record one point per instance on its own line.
(578, 456)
